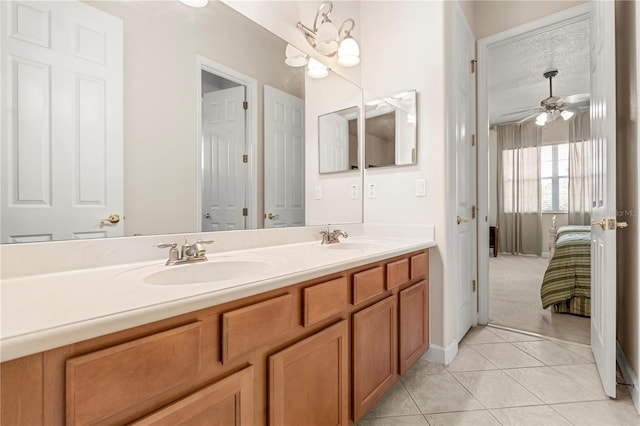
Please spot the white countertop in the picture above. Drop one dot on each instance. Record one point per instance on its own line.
(45, 311)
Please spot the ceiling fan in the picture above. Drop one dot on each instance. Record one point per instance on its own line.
(553, 107)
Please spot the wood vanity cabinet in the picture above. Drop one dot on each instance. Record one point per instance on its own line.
(319, 352)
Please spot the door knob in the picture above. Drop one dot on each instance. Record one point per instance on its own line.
(462, 220)
(622, 224)
(601, 223)
(111, 220)
(273, 216)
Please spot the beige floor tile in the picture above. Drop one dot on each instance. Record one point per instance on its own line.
(512, 336)
(583, 351)
(418, 420)
(586, 375)
(495, 389)
(468, 359)
(550, 386)
(439, 393)
(481, 334)
(470, 418)
(551, 353)
(540, 415)
(424, 366)
(506, 355)
(599, 413)
(396, 402)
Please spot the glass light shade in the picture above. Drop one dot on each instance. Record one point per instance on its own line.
(349, 52)
(566, 115)
(316, 70)
(195, 3)
(327, 39)
(295, 57)
(542, 117)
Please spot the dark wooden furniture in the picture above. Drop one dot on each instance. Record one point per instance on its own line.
(494, 239)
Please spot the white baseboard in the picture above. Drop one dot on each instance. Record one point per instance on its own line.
(629, 377)
(442, 355)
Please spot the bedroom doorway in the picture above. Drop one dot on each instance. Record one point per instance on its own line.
(512, 297)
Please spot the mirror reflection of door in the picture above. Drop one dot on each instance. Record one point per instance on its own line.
(223, 147)
(62, 131)
(338, 141)
(283, 159)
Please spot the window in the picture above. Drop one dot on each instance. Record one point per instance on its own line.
(554, 178)
(520, 180)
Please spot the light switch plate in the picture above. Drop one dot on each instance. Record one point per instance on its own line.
(318, 193)
(421, 187)
(354, 191)
(371, 190)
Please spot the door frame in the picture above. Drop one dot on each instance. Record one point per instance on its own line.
(543, 24)
(251, 85)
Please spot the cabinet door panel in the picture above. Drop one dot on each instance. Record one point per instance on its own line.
(308, 381)
(375, 358)
(228, 402)
(414, 324)
(103, 383)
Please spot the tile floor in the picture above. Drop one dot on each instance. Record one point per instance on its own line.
(504, 378)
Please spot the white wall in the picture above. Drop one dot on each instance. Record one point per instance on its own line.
(410, 55)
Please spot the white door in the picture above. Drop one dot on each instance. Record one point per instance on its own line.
(62, 136)
(603, 244)
(334, 151)
(283, 159)
(224, 172)
(464, 120)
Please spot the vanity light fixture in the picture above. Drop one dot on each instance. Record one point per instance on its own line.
(295, 57)
(328, 40)
(195, 3)
(316, 70)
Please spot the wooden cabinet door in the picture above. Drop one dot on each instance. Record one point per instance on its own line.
(308, 381)
(228, 402)
(375, 357)
(414, 324)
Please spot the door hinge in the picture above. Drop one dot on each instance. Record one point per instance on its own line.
(473, 212)
(473, 66)
(474, 286)
(473, 140)
(245, 105)
(245, 211)
(245, 158)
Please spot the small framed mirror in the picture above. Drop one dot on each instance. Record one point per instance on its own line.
(390, 131)
(338, 139)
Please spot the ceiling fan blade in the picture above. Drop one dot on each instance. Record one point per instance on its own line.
(575, 99)
(529, 117)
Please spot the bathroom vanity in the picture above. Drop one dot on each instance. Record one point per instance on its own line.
(316, 346)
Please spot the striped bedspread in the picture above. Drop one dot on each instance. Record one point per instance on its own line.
(567, 281)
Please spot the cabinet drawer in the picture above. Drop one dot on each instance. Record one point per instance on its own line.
(229, 402)
(323, 300)
(105, 382)
(368, 284)
(420, 265)
(250, 327)
(397, 273)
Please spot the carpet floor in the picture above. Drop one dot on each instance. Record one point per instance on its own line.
(515, 300)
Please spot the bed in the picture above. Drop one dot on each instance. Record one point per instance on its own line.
(567, 281)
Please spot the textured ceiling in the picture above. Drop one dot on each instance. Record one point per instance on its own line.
(516, 66)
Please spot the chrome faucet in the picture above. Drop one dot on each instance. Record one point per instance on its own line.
(188, 253)
(332, 237)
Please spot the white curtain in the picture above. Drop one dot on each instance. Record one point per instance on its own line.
(580, 170)
(519, 217)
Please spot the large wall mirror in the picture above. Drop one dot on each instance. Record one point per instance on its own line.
(390, 130)
(338, 140)
(184, 71)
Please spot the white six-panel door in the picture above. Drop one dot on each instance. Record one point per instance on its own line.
(603, 244)
(62, 136)
(464, 119)
(283, 159)
(224, 173)
(334, 152)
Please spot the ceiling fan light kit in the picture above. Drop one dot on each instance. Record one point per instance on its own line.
(552, 106)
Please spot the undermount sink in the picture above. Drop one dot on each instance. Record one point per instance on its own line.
(213, 270)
